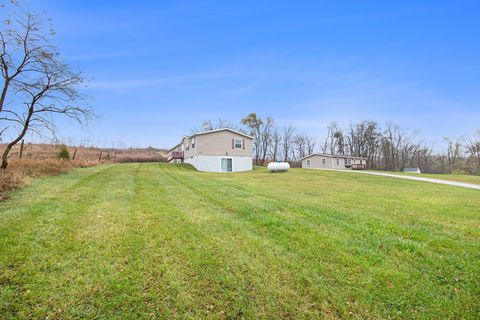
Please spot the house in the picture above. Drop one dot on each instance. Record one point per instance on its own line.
(332, 161)
(221, 150)
(412, 170)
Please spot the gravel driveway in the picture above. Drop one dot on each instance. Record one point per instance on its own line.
(439, 181)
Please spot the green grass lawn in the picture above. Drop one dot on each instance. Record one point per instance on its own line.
(452, 177)
(133, 241)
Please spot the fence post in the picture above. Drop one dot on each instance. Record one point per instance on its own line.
(100, 157)
(20, 155)
(74, 154)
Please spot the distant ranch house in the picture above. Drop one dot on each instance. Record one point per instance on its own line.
(222, 150)
(332, 161)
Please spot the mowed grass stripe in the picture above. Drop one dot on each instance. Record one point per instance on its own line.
(53, 247)
(381, 242)
(313, 213)
(148, 240)
(261, 284)
(176, 255)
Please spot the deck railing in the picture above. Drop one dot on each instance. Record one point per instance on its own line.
(358, 166)
(177, 155)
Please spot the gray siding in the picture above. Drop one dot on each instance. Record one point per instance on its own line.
(330, 162)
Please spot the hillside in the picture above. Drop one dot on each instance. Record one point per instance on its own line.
(49, 151)
(163, 241)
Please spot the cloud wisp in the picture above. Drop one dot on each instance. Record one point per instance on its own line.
(164, 81)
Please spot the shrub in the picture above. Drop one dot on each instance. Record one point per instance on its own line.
(64, 153)
(8, 182)
(39, 168)
(460, 172)
(19, 170)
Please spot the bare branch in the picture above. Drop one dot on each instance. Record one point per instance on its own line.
(44, 87)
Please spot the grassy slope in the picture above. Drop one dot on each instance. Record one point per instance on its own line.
(141, 240)
(453, 177)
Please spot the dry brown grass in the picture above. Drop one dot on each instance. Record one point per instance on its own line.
(20, 170)
(39, 168)
(50, 151)
(9, 181)
(42, 160)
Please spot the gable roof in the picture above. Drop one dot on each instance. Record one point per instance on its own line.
(332, 156)
(219, 130)
(171, 149)
(211, 131)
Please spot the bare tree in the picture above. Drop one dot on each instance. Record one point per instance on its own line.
(208, 125)
(473, 148)
(300, 145)
(275, 144)
(310, 145)
(339, 141)
(330, 142)
(44, 89)
(424, 158)
(254, 126)
(287, 139)
(387, 147)
(372, 138)
(23, 45)
(391, 141)
(454, 148)
(392, 148)
(266, 137)
(261, 132)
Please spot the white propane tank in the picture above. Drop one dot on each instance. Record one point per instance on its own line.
(278, 166)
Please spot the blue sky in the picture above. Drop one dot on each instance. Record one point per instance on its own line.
(157, 69)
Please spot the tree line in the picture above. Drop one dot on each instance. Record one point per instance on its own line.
(386, 147)
(37, 87)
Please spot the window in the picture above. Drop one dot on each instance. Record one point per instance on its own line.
(238, 144)
(338, 162)
(193, 143)
(361, 162)
(349, 161)
(226, 165)
(308, 162)
(324, 162)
